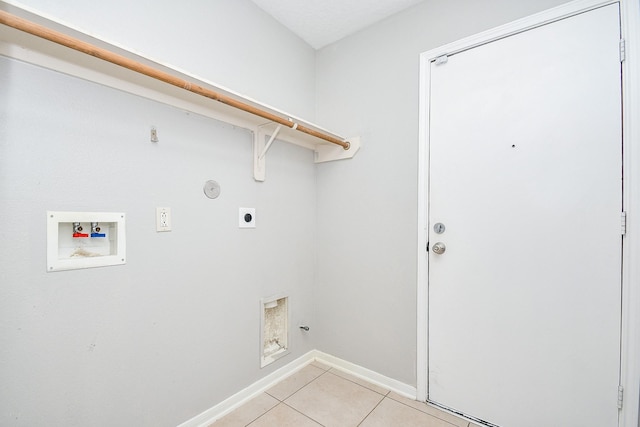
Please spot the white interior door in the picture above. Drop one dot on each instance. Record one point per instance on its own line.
(525, 170)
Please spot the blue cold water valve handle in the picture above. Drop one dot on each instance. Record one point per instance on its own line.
(95, 230)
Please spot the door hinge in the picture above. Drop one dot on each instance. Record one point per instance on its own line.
(623, 51)
(620, 396)
(441, 60)
(623, 223)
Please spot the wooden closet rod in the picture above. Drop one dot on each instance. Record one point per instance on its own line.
(84, 47)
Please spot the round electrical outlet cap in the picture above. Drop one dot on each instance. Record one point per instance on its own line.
(211, 189)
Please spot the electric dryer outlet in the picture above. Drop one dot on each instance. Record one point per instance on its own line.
(247, 218)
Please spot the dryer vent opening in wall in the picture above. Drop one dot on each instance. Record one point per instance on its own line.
(274, 330)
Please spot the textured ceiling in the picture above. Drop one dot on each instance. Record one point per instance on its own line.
(321, 22)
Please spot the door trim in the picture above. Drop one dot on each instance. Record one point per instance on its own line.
(630, 337)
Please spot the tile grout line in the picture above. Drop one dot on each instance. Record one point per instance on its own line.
(287, 405)
(282, 402)
(371, 411)
(302, 413)
(332, 370)
(297, 390)
(267, 392)
(265, 412)
(259, 416)
(305, 415)
(431, 415)
(353, 382)
(384, 396)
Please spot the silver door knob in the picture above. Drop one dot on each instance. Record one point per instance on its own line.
(439, 248)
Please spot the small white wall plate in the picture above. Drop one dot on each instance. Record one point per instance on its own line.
(247, 218)
(163, 219)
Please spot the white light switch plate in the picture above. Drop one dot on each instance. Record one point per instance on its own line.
(163, 219)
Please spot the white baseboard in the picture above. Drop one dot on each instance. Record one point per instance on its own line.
(221, 409)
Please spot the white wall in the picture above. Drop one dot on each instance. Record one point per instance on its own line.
(175, 330)
(367, 85)
(230, 42)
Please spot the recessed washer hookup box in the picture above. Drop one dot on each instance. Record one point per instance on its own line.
(84, 240)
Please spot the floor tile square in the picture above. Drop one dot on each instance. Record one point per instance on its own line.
(334, 401)
(390, 413)
(248, 412)
(283, 416)
(295, 382)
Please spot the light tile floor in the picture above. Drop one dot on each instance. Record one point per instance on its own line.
(320, 396)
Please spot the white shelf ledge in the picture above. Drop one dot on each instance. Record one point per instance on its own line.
(29, 48)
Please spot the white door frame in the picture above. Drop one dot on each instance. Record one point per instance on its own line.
(630, 364)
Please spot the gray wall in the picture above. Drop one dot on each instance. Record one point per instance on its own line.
(367, 85)
(175, 330)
